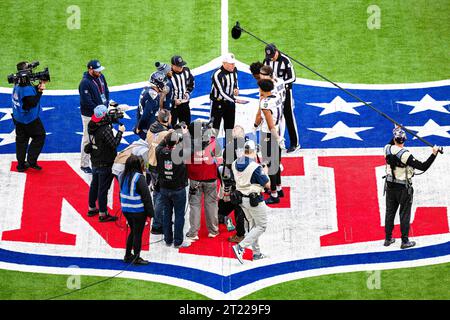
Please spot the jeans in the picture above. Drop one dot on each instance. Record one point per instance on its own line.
(158, 218)
(101, 181)
(173, 201)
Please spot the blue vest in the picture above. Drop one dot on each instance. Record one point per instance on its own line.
(129, 199)
(20, 115)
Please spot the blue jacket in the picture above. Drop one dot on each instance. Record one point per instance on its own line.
(148, 106)
(90, 93)
(22, 114)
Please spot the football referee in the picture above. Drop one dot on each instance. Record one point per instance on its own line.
(282, 68)
(224, 89)
(183, 84)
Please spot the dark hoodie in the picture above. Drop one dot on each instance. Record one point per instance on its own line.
(90, 90)
(104, 140)
(158, 127)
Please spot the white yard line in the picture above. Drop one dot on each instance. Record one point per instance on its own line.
(224, 26)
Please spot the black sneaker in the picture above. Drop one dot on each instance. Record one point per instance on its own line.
(387, 242)
(35, 166)
(409, 244)
(280, 194)
(157, 231)
(92, 213)
(22, 167)
(107, 218)
(140, 262)
(293, 148)
(128, 259)
(272, 200)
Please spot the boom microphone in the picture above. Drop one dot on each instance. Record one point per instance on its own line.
(236, 31)
(236, 34)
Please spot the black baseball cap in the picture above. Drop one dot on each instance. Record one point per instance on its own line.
(95, 64)
(178, 61)
(271, 49)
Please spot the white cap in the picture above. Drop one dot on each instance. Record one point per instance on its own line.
(228, 58)
(250, 145)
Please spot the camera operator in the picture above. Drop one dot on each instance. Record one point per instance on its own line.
(172, 177)
(157, 132)
(26, 110)
(250, 182)
(202, 173)
(103, 151)
(150, 102)
(93, 91)
(232, 151)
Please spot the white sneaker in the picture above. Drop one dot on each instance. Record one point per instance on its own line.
(258, 256)
(192, 239)
(185, 244)
(238, 252)
(212, 235)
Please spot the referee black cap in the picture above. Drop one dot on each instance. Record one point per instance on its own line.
(271, 49)
(178, 61)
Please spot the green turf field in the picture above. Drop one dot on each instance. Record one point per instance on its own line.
(329, 35)
(431, 282)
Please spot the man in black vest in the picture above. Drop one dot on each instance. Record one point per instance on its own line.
(103, 153)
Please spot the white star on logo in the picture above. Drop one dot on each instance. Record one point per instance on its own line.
(8, 111)
(125, 108)
(339, 130)
(426, 103)
(431, 128)
(338, 105)
(8, 138)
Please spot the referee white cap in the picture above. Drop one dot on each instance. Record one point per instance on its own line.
(229, 58)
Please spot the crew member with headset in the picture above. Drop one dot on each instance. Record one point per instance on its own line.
(26, 110)
(250, 182)
(400, 165)
(283, 68)
(269, 116)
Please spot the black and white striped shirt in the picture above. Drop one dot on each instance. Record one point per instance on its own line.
(282, 68)
(183, 83)
(223, 85)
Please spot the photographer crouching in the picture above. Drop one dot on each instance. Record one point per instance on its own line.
(102, 147)
(26, 111)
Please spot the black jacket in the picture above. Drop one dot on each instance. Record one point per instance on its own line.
(142, 190)
(171, 175)
(106, 144)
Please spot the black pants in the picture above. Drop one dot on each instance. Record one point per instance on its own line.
(180, 113)
(398, 196)
(225, 110)
(271, 152)
(288, 113)
(226, 207)
(98, 191)
(34, 130)
(136, 221)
